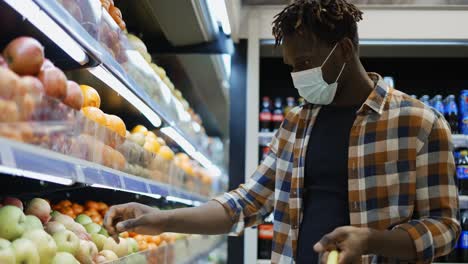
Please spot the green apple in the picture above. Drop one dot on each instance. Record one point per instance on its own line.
(54, 213)
(7, 254)
(32, 223)
(64, 258)
(87, 252)
(53, 227)
(99, 240)
(120, 249)
(12, 222)
(67, 241)
(106, 256)
(45, 244)
(83, 219)
(132, 245)
(65, 220)
(104, 232)
(25, 251)
(93, 228)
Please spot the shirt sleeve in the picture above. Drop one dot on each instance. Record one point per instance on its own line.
(252, 202)
(435, 228)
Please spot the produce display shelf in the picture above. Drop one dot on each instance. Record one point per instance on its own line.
(30, 161)
(129, 89)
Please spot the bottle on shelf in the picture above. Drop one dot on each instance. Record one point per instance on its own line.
(438, 104)
(290, 104)
(414, 96)
(278, 116)
(265, 115)
(389, 80)
(425, 99)
(451, 113)
(463, 243)
(462, 172)
(265, 238)
(265, 151)
(300, 101)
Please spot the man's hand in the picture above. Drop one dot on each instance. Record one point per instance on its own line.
(352, 242)
(135, 217)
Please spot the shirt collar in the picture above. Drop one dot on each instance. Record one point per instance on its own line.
(376, 99)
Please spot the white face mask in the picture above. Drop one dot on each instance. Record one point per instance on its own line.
(311, 85)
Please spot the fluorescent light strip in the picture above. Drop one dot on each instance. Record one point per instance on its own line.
(179, 200)
(219, 11)
(123, 91)
(35, 175)
(396, 42)
(30, 11)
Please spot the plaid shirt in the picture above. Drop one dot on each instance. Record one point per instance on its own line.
(400, 176)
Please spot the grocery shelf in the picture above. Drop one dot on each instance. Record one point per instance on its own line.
(30, 161)
(263, 261)
(460, 140)
(463, 201)
(264, 138)
(72, 38)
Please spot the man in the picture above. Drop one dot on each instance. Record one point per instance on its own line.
(361, 167)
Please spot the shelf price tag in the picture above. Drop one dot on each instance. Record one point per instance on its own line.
(159, 190)
(135, 185)
(41, 164)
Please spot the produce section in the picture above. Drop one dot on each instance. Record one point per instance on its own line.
(59, 135)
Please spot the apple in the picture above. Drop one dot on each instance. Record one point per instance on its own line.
(40, 208)
(74, 97)
(7, 254)
(132, 245)
(120, 249)
(13, 201)
(45, 244)
(106, 256)
(99, 240)
(87, 252)
(83, 219)
(24, 55)
(32, 223)
(54, 81)
(53, 227)
(32, 85)
(12, 219)
(104, 232)
(93, 228)
(25, 251)
(65, 220)
(80, 231)
(64, 258)
(67, 241)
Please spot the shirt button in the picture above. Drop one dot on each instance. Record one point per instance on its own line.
(294, 192)
(294, 226)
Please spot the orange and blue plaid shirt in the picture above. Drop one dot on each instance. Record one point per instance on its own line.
(400, 175)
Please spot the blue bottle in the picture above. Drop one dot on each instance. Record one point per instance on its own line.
(451, 113)
(425, 99)
(438, 104)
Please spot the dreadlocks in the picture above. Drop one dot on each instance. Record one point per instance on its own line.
(329, 20)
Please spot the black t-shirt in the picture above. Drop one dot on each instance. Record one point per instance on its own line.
(326, 179)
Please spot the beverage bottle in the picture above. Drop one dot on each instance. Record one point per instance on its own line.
(265, 238)
(425, 99)
(265, 115)
(290, 104)
(462, 172)
(451, 114)
(414, 96)
(463, 243)
(278, 116)
(265, 151)
(390, 81)
(438, 104)
(300, 101)
(463, 112)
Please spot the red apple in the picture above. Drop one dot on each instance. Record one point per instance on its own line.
(32, 85)
(39, 208)
(10, 85)
(74, 97)
(47, 64)
(24, 55)
(54, 81)
(13, 201)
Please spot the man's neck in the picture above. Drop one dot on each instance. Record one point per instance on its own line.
(355, 90)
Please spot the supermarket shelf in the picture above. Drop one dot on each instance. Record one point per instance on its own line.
(264, 138)
(263, 261)
(29, 161)
(460, 140)
(463, 201)
(53, 15)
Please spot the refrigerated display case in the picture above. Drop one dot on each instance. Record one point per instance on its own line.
(78, 157)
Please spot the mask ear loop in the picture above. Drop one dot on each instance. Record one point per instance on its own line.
(331, 52)
(342, 68)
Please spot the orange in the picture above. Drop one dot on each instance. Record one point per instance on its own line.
(124, 234)
(65, 203)
(151, 135)
(152, 145)
(140, 129)
(182, 157)
(116, 124)
(95, 114)
(92, 205)
(91, 96)
(166, 153)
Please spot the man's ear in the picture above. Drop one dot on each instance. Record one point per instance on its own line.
(347, 49)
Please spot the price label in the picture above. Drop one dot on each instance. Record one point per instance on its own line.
(464, 240)
(135, 185)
